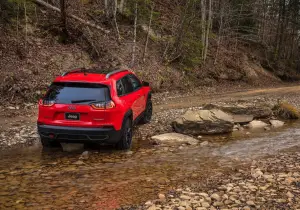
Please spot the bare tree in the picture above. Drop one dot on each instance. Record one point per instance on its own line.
(115, 19)
(134, 35)
(203, 29)
(208, 27)
(121, 6)
(63, 20)
(26, 21)
(86, 22)
(220, 32)
(106, 8)
(148, 33)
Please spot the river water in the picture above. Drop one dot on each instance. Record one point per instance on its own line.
(31, 178)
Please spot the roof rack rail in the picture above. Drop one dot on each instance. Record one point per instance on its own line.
(114, 72)
(78, 70)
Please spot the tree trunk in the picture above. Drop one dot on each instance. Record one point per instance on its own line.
(148, 34)
(64, 35)
(209, 23)
(85, 22)
(106, 8)
(121, 6)
(203, 31)
(25, 17)
(220, 30)
(115, 19)
(134, 36)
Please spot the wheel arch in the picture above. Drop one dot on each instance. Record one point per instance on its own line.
(128, 114)
(149, 97)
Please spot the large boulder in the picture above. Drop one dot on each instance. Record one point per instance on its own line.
(204, 122)
(174, 138)
(259, 111)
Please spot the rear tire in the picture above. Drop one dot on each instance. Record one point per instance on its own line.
(47, 143)
(148, 113)
(126, 136)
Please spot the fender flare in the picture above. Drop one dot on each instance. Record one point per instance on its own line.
(149, 97)
(128, 114)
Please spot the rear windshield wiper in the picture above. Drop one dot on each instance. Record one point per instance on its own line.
(82, 101)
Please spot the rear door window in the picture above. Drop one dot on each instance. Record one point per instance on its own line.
(127, 85)
(135, 82)
(77, 93)
(120, 88)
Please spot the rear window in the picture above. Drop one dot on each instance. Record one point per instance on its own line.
(77, 93)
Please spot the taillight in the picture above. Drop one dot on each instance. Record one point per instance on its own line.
(103, 105)
(46, 102)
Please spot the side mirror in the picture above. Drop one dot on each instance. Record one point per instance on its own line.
(145, 84)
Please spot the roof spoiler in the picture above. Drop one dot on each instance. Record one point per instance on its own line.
(115, 72)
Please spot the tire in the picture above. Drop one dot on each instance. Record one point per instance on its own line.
(148, 113)
(47, 143)
(126, 136)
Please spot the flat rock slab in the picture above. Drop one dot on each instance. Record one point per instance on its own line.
(204, 122)
(242, 119)
(174, 138)
(259, 111)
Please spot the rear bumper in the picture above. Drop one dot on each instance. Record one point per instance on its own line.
(79, 134)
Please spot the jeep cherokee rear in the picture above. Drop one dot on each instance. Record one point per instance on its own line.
(91, 106)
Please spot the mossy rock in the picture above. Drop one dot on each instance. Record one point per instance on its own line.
(287, 111)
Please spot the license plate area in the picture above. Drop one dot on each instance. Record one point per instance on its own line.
(72, 116)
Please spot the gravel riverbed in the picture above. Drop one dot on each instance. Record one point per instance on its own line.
(271, 183)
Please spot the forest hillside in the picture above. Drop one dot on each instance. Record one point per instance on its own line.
(174, 44)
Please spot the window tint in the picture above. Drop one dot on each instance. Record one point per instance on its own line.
(77, 93)
(120, 88)
(136, 84)
(127, 85)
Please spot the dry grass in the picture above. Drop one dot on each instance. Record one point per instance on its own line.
(285, 110)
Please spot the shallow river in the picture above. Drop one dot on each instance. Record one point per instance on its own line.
(31, 178)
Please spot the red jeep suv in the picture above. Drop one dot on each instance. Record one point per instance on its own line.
(90, 105)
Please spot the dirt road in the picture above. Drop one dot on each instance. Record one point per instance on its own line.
(196, 100)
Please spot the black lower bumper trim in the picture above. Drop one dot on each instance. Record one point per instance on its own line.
(79, 134)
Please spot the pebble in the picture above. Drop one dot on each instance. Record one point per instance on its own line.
(185, 197)
(216, 197)
(162, 197)
(218, 204)
(129, 153)
(250, 203)
(290, 195)
(79, 162)
(153, 207)
(203, 144)
(148, 203)
(205, 204)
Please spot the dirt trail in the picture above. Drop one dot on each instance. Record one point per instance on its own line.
(196, 100)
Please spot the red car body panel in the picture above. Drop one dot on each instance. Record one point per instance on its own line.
(92, 118)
